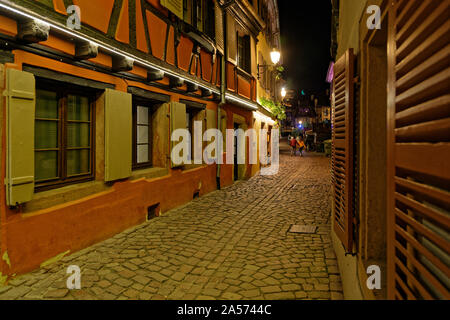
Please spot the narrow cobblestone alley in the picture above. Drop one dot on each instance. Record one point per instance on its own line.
(229, 244)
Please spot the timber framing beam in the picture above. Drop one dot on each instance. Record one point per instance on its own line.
(86, 50)
(122, 64)
(155, 75)
(32, 31)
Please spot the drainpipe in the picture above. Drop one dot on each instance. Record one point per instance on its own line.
(223, 78)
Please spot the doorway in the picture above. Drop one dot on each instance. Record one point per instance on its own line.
(236, 165)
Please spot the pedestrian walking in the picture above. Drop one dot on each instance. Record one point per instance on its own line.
(300, 144)
(293, 144)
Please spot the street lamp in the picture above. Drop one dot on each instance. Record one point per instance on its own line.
(283, 93)
(275, 56)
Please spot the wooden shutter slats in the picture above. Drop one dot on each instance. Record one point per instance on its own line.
(418, 150)
(405, 288)
(412, 278)
(340, 119)
(342, 151)
(433, 43)
(423, 294)
(340, 92)
(427, 111)
(423, 272)
(411, 19)
(423, 30)
(431, 131)
(429, 159)
(429, 88)
(339, 144)
(340, 84)
(432, 258)
(340, 112)
(430, 193)
(342, 170)
(424, 211)
(409, 8)
(429, 67)
(340, 79)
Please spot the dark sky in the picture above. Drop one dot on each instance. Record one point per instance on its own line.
(305, 36)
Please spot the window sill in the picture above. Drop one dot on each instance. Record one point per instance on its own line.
(149, 173)
(243, 73)
(49, 198)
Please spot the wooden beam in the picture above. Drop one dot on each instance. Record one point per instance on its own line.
(155, 75)
(206, 93)
(86, 50)
(191, 87)
(120, 64)
(32, 31)
(175, 82)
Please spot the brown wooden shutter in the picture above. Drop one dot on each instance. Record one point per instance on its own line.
(418, 150)
(342, 157)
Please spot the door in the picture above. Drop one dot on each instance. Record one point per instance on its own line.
(236, 165)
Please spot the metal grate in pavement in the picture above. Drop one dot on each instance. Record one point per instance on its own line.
(298, 228)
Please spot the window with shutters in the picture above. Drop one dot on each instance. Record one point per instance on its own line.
(142, 134)
(418, 150)
(244, 53)
(200, 14)
(342, 148)
(63, 134)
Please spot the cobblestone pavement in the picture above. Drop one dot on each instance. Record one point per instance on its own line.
(229, 244)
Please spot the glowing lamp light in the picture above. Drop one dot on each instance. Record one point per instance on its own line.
(275, 55)
(283, 92)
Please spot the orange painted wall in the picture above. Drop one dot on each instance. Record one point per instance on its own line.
(157, 30)
(91, 15)
(33, 238)
(140, 29)
(123, 28)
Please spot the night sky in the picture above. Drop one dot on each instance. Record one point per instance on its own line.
(306, 36)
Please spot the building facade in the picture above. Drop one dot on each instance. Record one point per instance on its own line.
(93, 91)
(391, 134)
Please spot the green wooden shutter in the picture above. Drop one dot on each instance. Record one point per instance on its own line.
(118, 135)
(177, 121)
(21, 101)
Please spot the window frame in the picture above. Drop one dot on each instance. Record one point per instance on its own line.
(200, 15)
(63, 90)
(150, 105)
(244, 60)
